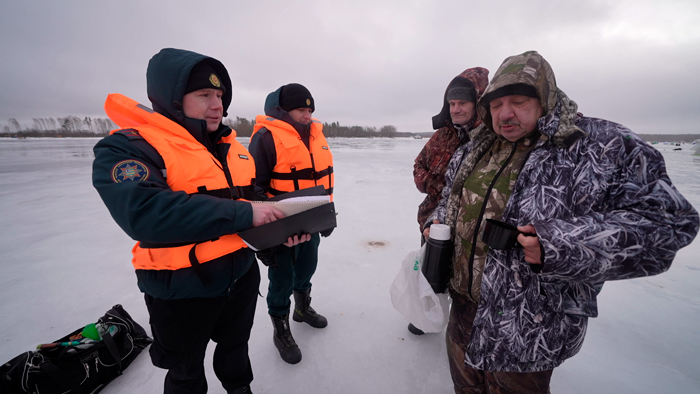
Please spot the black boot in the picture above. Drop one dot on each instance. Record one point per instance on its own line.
(303, 312)
(414, 330)
(241, 390)
(284, 342)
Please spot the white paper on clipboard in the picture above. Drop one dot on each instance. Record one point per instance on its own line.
(294, 205)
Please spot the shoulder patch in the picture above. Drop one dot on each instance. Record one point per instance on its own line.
(129, 170)
(324, 147)
(131, 134)
(244, 157)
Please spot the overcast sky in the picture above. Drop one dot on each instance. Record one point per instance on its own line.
(368, 63)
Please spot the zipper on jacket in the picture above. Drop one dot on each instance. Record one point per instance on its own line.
(481, 216)
(313, 167)
(227, 173)
(223, 166)
(224, 163)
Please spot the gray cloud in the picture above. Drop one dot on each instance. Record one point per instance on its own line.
(366, 62)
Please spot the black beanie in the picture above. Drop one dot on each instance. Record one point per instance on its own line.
(461, 89)
(203, 76)
(295, 96)
(519, 89)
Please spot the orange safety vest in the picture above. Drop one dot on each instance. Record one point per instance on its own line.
(298, 167)
(189, 166)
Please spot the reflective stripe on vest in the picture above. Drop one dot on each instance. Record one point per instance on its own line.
(298, 167)
(189, 166)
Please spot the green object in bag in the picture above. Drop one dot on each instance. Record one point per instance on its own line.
(90, 331)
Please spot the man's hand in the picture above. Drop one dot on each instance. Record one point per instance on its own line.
(426, 232)
(297, 239)
(264, 214)
(531, 244)
(269, 256)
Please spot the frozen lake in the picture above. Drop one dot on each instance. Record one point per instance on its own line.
(65, 262)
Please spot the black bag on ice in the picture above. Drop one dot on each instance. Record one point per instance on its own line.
(70, 366)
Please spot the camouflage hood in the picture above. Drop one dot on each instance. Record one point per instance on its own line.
(530, 68)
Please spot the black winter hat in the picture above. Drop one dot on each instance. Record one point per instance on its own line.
(461, 89)
(203, 76)
(519, 89)
(295, 96)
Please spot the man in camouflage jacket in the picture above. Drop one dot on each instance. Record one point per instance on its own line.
(452, 125)
(599, 201)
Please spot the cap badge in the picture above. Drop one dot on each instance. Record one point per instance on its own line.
(308, 102)
(214, 80)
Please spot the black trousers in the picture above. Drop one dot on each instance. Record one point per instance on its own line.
(182, 329)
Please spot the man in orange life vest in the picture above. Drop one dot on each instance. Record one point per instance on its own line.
(291, 153)
(172, 178)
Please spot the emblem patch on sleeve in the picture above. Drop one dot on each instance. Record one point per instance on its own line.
(129, 170)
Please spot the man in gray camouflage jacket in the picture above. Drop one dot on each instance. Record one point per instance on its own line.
(599, 201)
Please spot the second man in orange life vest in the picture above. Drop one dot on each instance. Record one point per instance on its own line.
(291, 153)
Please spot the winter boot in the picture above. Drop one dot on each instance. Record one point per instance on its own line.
(303, 312)
(414, 330)
(284, 342)
(241, 390)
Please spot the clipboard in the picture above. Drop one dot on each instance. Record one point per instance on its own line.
(311, 221)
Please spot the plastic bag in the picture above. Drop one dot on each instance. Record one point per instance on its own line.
(414, 298)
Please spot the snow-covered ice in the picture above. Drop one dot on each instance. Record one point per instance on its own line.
(65, 262)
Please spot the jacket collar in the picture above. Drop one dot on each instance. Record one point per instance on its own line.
(560, 124)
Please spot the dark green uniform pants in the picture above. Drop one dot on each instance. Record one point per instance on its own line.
(295, 267)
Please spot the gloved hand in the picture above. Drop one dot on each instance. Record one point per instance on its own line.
(327, 232)
(268, 257)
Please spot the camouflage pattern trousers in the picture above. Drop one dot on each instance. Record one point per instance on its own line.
(468, 380)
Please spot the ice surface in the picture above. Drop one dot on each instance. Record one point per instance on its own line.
(65, 262)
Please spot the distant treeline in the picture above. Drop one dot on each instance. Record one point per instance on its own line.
(70, 126)
(244, 128)
(73, 126)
